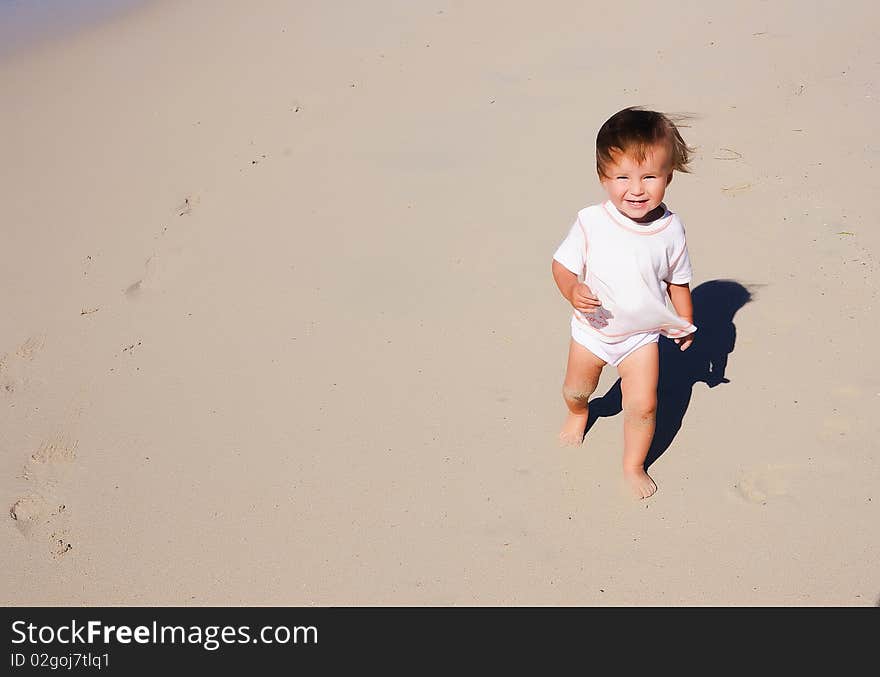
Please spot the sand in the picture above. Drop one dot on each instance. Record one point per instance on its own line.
(279, 326)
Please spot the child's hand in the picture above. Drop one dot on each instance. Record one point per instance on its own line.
(583, 299)
(684, 342)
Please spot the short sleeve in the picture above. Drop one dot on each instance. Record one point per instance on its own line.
(572, 252)
(680, 271)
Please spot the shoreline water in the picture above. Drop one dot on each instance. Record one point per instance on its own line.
(25, 24)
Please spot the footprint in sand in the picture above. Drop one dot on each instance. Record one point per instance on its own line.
(13, 367)
(766, 485)
(28, 512)
(40, 520)
(61, 448)
(8, 382)
(47, 464)
(162, 272)
(40, 515)
(31, 347)
(164, 268)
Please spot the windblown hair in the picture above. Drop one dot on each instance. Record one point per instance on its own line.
(633, 131)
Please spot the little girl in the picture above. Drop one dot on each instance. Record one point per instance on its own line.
(616, 267)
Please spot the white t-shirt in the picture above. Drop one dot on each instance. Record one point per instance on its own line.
(627, 265)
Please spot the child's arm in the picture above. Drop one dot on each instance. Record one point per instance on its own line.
(579, 295)
(680, 295)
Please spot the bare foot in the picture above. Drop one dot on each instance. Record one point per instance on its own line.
(572, 433)
(639, 482)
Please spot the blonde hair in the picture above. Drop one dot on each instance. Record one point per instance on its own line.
(634, 130)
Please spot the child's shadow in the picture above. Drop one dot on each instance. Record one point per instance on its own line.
(715, 304)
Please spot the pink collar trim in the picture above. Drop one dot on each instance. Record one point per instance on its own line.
(640, 228)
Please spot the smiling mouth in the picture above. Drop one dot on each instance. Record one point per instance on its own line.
(637, 203)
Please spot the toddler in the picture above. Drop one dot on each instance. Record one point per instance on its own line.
(616, 266)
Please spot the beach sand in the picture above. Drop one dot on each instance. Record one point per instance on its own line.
(279, 326)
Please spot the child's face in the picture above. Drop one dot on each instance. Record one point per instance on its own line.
(637, 188)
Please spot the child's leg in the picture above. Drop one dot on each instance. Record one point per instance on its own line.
(581, 378)
(638, 383)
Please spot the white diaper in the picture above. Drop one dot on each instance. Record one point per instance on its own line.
(612, 353)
